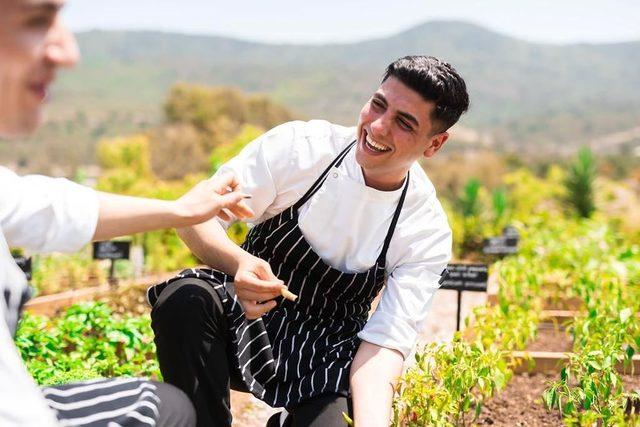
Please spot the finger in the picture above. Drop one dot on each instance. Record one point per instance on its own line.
(253, 310)
(257, 296)
(226, 215)
(223, 215)
(252, 283)
(241, 210)
(235, 203)
(225, 183)
(264, 272)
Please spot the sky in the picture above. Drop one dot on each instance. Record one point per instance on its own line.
(327, 21)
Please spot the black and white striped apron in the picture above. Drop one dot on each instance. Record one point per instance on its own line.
(125, 402)
(304, 348)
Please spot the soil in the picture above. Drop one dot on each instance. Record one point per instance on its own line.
(550, 338)
(520, 403)
(248, 411)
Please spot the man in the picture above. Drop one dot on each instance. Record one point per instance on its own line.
(339, 212)
(44, 214)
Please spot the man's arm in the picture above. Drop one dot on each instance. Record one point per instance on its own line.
(124, 215)
(254, 281)
(373, 376)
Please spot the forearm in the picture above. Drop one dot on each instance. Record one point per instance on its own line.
(374, 373)
(210, 243)
(124, 215)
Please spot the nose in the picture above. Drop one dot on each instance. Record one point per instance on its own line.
(380, 126)
(61, 48)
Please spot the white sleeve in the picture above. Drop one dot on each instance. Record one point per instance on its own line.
(409, 291)
(21, 403)
(261, 167)
(45, 214)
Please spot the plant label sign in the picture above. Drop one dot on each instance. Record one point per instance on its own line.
(502, 245)
(111, 250)
(465, 277)
(24, 264)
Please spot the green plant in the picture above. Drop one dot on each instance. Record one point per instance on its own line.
(86, 342)
(580, 183)
(469, 200)
(499, 204)
(448, 382)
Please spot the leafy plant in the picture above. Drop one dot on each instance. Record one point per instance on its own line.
(580, 183)
(469, 200)
(86, 342)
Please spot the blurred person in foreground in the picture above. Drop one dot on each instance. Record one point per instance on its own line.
(43, 214)
(340, 212)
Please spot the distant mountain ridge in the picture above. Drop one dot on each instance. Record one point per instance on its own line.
(521, 92)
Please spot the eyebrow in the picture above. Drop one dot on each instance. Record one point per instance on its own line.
(50, 6)
(404, 114)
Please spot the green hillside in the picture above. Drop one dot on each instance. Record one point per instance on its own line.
(522, 93)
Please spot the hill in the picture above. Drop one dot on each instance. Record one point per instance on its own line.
(522, 93)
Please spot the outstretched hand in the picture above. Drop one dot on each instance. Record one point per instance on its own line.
(216, 196)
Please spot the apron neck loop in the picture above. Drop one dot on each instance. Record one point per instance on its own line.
(316, 185)
(387, 240)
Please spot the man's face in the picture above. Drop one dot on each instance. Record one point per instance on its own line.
(395, 130)
(33, 45)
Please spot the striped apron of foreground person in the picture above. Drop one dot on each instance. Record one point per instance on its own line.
(119, 402)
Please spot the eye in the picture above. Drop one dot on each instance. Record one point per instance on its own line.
(379, 105)
(405, 125)
(39, 21)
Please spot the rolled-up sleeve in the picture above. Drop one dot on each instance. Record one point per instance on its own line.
(45, 214)
(408, 294)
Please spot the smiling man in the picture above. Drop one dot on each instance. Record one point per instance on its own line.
(339, 213)
(42, 214)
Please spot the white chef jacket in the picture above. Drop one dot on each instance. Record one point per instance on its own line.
(346, 222)
(39, 214)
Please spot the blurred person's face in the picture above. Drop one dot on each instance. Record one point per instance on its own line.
(394, 130)
(33, 45)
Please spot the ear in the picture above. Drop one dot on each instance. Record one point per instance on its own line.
(436, 143)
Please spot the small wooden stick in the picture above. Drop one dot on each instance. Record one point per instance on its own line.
(288, 295)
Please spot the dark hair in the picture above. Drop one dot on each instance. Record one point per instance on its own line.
(436, 81)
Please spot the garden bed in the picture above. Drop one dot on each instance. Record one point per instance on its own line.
(520, 403)
(549, 351)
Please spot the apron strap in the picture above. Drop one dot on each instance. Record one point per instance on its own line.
(387, 240)
(316, 185)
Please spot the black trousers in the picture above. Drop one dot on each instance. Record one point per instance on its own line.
(193, 345)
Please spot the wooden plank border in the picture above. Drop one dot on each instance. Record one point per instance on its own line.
(49, 305)
(551, 362)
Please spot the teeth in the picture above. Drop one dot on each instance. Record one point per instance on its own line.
(376, 146)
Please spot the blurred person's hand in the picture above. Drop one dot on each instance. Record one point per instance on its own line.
(217, 196)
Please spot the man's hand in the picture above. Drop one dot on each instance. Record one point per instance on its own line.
(219, 196)
(256, 286)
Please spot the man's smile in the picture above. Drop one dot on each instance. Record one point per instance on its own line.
(374, 145)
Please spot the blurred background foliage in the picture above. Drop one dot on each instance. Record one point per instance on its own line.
(203, 127)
